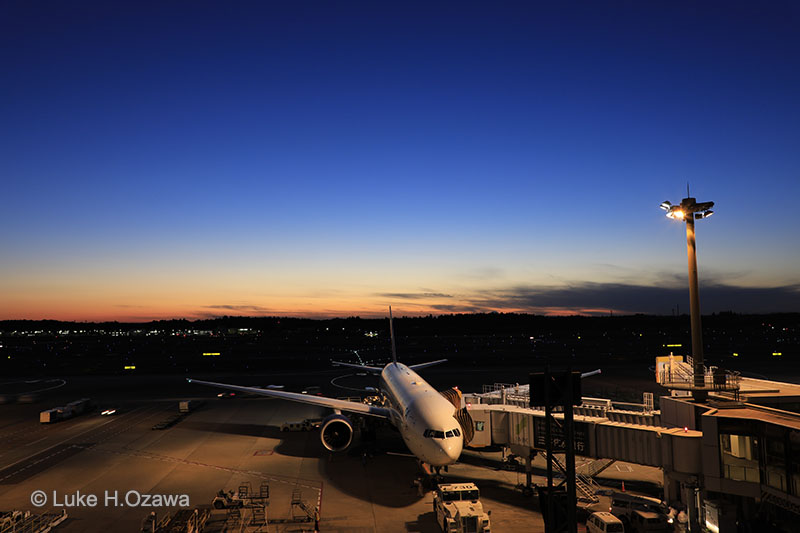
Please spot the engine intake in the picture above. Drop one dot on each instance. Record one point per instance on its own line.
(336, 433)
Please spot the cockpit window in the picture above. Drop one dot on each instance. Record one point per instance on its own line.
(436, 434)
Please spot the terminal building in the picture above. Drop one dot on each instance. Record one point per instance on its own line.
(732, 461)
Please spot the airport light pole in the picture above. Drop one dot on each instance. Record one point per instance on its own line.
(689, 210)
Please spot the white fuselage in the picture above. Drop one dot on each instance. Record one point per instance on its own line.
(423, 416)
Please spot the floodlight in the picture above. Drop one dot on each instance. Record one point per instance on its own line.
(689, 211)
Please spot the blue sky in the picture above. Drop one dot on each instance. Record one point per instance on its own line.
(327, 159)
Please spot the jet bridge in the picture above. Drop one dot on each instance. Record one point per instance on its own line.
(674, 449)
(605, 430)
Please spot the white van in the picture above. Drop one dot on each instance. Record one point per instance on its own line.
(604, 522)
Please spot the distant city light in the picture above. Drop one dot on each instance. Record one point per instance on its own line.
(776, 354)
(207, 354)
(130, 367)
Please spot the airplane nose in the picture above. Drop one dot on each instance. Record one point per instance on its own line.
(451, 450)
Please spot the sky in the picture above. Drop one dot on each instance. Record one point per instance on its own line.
(198, 159)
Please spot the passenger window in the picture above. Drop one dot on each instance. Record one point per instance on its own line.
(449, 434)
(479, 426)
(457, 432)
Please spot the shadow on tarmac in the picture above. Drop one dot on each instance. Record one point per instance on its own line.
(425, 523)
(292, 444)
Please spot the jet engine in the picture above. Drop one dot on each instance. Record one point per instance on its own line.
(336, 432)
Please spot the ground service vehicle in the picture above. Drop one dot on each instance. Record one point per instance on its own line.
(624, 504)
(648, 521)
(226, 500)
(458, 509)
(604, 523)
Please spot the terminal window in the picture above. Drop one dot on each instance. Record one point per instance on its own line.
(794, 464)
(739, 457)
(775, 459)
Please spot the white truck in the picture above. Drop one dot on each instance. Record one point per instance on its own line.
(458, 509)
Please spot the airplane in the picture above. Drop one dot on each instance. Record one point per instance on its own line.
(433, 424)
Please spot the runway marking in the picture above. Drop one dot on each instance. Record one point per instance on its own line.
(260, 453)
(17, 472)
(345, 387)
(34, 459)
(34, 442)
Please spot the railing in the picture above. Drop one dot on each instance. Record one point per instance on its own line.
(497, 387)
(586, 487)
(30, 523)
(681, 375)
(597, 466)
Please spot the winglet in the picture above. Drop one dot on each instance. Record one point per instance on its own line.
(391, 334)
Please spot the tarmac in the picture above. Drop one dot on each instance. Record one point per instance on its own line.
(122, 462)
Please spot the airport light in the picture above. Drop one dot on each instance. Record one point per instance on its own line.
(689, 210)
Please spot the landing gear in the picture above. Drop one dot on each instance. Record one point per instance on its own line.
(429, 477)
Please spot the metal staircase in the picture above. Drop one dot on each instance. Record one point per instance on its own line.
(595, 467)
(585, 486)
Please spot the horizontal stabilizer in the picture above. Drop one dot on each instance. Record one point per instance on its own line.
(426, 365)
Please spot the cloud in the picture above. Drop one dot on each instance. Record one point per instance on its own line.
(458, 308)
(239, 307)
(594, 298)
(414, 295)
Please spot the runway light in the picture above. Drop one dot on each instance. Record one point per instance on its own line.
(736, 354)
(776, 354)
(130, 367)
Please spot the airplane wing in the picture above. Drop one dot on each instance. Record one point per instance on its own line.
(426, 365)
(332, 403)
(365, 368)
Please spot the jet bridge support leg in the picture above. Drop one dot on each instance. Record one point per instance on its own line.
(529, 470)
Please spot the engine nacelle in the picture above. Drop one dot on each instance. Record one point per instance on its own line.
(336, 432)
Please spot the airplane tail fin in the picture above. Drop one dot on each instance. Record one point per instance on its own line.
(391, 334)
